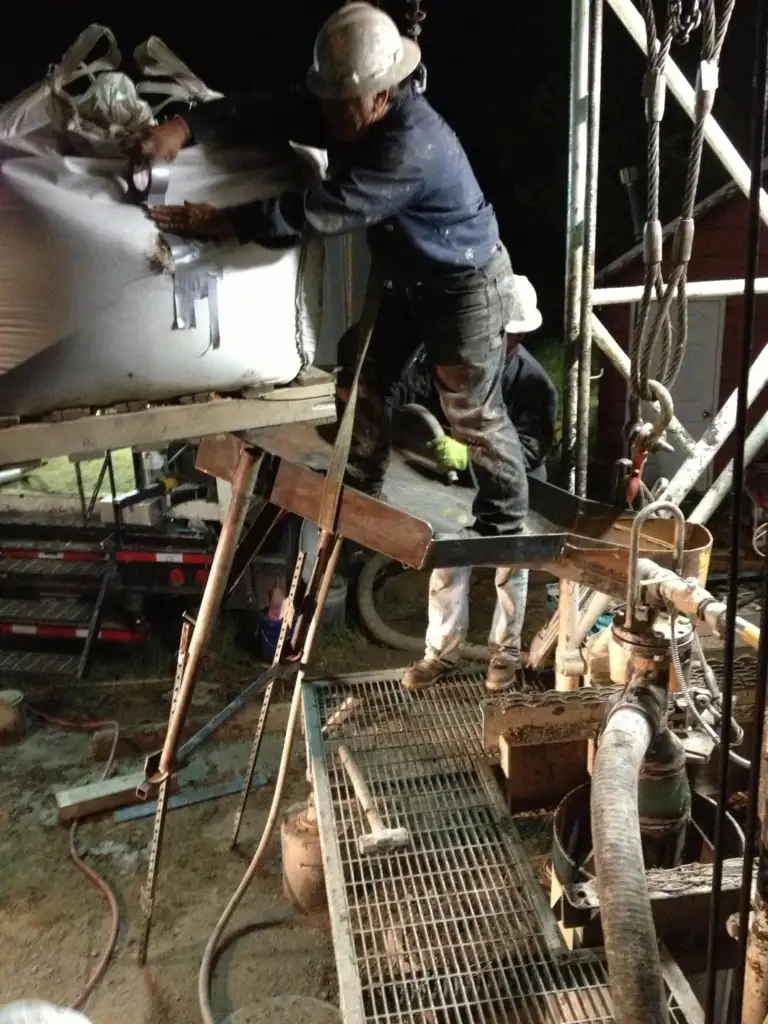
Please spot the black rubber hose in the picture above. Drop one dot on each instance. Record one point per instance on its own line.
(390, 637)
(634, 964)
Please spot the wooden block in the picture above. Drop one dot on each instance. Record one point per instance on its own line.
(82, 801)
(218, 457)
(542, 775)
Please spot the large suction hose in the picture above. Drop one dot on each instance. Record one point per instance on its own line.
(204, 977)
(634, 964)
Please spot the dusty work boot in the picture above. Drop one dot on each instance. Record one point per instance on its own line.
(505, 672)
(425, 673)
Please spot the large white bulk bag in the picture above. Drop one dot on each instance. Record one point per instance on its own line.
(89, 312)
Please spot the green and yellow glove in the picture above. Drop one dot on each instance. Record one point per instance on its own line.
(450, 454)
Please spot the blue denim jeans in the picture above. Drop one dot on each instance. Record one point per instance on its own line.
(461, 322)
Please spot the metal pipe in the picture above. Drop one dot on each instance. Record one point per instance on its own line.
(722, 487)
(746, 372)
(12, 476)
(568, 610)
(595, 67)
(726, 288)
(619, 360)
(718, 432)
(574, 275)
(681, 89)
(574, 257)
(242, 488)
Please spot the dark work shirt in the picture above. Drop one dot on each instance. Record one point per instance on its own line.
(529, 395)
(407, 181)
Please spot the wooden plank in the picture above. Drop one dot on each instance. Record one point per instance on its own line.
(218, 456)
(82, 801)
(157, 426)
(371, 523)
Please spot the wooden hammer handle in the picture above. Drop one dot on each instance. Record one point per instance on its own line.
(362, 792)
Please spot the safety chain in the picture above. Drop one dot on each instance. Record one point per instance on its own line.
(414, 17)
(684, 22)
(652, 339)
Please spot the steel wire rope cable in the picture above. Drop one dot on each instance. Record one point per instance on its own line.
(647, 341)
(98, 972)
(653, 92)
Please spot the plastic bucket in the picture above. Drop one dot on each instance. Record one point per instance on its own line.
(269, 634)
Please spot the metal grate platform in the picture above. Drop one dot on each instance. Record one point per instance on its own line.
(48, 609)
(32, 663)
(455, 927)
(50, 568)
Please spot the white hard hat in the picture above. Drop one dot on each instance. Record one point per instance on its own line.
(526, 316)
(358, 52)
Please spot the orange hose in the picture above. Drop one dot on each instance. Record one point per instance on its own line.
(90, 874)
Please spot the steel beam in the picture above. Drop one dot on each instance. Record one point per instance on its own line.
(722, 487)
(693, 290)
(574, 258)
(713, 439)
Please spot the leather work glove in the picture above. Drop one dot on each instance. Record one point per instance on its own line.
(192, 220)
(450, 454)
(163, 142)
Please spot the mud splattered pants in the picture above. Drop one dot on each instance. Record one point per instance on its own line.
(448, 608)
(461, 322)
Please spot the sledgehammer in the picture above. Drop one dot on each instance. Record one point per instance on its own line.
(379, 839)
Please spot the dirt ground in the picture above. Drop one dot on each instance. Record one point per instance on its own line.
(54, 922)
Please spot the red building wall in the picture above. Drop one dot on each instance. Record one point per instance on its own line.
(719, 253)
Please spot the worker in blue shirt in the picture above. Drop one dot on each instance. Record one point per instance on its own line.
(398, 171)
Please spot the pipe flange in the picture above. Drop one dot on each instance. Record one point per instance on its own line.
(656, 636)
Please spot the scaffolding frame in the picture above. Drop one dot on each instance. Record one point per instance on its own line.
(575, 617)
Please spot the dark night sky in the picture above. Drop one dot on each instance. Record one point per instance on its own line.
(501, 80)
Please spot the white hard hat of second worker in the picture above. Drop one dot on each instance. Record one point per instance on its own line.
(526, 316)
(358, 52)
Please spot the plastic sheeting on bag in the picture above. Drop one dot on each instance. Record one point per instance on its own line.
(50, 117)
(93, 311)
(88, 319)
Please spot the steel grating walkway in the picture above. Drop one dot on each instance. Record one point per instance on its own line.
(455, 928)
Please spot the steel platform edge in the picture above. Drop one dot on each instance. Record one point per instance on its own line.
(485, 944)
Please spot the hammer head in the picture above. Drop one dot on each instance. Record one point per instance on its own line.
(384, 841)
